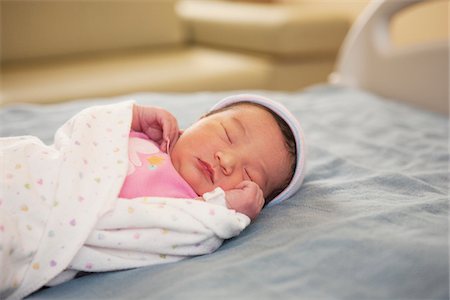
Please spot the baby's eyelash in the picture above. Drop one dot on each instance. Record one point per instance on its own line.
(226, 132)
(245, 170)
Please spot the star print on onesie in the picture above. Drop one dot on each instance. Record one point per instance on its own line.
(151, 172)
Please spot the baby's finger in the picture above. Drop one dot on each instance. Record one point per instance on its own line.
(168, 142)
(173, 138)
(155, 134)
(261, 198)
(163, 146)
(170, 130)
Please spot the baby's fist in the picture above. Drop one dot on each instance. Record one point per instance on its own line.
(246, 198)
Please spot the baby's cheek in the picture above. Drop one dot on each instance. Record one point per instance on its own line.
(196, 181)
(226, 186)
(231, 182)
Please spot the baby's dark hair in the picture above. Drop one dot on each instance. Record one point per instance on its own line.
(289, 141)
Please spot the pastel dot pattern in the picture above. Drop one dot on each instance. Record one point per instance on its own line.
(51, 196)
(155, 230)
(67, 186)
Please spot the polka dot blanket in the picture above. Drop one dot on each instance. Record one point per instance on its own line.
(60, 213)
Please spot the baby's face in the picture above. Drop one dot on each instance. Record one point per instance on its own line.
(225, 148)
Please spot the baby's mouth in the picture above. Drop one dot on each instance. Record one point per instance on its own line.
(207, 169)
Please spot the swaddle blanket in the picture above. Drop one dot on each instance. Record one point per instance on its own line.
(59, 211)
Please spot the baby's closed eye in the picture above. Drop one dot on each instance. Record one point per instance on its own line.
(247, 175)
(226, 134)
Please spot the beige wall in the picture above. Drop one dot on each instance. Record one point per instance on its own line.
(351, 7)
(37, 29)
(425, 22)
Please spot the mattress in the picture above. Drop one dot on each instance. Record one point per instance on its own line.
(370, 221)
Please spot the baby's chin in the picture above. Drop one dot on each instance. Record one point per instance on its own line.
(200, 189)
(195, 179)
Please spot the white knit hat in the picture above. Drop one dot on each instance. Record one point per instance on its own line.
(294, 125)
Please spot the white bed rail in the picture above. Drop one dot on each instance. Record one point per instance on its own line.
(416, 74)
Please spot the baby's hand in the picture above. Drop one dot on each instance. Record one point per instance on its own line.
(158, 124)
(247, 198)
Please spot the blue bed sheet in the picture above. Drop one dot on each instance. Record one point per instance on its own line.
(370, 222)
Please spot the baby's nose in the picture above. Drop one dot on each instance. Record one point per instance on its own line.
(227, 162)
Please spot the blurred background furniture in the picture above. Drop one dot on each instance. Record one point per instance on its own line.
(59, 50)
(53, 51)
(369, 60)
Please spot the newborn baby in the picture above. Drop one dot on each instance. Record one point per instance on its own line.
(59, 209)
(244, 146)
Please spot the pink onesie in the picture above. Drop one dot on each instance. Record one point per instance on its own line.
(151, 173)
